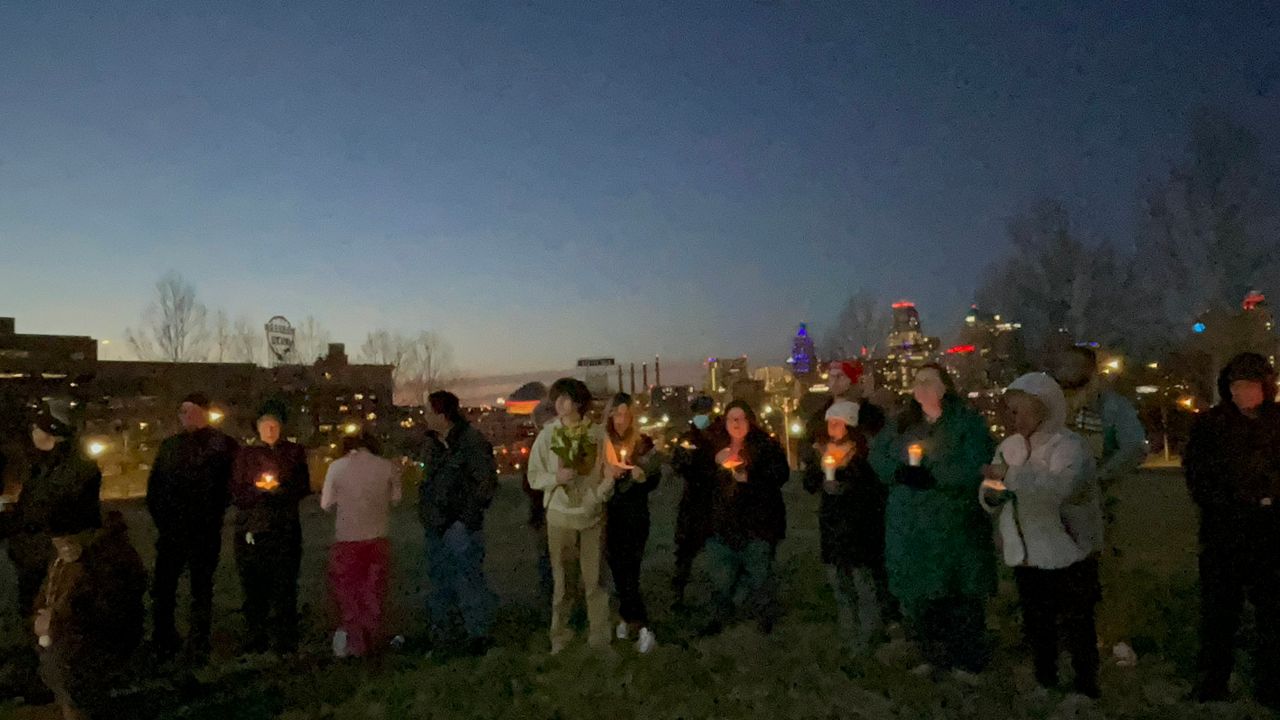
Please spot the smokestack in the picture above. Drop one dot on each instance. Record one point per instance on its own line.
(644, 367)
(633, 378)
(657, 371)
(620, 388)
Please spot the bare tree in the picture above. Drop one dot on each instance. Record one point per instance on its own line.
(863, 323)
(423, 363)
(173, 326)
(310, 341)
(1211, 231)
(247, 341)
(220, 338)
(1054, 283)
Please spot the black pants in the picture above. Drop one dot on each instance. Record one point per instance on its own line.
(625, 542)
(1230, 574)
(953, 633)
(1062, 602)
(199, 556)
(269, 579)
(688, 546)
(31, 554)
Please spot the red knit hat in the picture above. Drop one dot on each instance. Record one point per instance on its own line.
(852, 370)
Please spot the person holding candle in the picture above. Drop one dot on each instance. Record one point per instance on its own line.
(938, 552)
(564, 464)
(360, 489)
(631, 461)
(269, 479)
(851, 522)
(1044, 486)
(694, 460)
(748, 518)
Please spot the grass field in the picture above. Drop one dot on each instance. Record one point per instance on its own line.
(795, 673)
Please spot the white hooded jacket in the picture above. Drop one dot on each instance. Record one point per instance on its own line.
(1055, 519)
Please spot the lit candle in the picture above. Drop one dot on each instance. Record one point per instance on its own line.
(829, 467)
(622, 457)
(731, 464)
(266, 481)
(915, 454)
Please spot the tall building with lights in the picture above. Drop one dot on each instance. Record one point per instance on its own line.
(802, 360)
(906, 349)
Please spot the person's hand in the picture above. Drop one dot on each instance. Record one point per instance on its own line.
(994, 472)
(722, 456)
(994, 485)
(613, 472)
(43, 618)
(740, 474)
(831, 487)
(564, 476)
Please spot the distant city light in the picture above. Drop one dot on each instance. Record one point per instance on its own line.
(644, 419)
(351, 428)
(1198, 328)
(96, 448)
(767, 410)
(1146, 389)
(796, 428)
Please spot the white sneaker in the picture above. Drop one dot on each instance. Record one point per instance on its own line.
(623, 632)
(647, 642)
(340, 644)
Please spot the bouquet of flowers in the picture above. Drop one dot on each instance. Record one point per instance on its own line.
(575, 447)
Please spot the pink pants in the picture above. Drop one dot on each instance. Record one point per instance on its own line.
(358, 574)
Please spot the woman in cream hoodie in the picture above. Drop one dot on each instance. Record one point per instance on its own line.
(575, 500)
(1043, 484)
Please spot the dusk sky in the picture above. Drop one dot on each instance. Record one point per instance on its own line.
(540, 182)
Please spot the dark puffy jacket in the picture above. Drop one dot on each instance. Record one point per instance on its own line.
(62, 482)
(1233, 468)
(459, 479)
(754, 510)
(694, 459)
(96, 612)
(190, 484)
(851, 523)
(262, 511)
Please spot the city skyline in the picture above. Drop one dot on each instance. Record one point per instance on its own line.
(542, 184)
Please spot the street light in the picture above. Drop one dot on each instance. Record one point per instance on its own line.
(96, 448)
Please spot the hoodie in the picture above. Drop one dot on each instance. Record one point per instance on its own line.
(1055, 517)
(580, 503)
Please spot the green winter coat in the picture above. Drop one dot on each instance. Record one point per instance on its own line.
(938, 541)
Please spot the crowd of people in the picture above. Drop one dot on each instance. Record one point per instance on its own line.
(917, 502)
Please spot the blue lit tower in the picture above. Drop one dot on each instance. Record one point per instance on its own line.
(802, 359)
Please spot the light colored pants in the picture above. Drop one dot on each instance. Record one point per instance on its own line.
(583, 547)
(857, 607)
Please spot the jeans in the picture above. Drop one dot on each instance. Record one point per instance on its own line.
(269, 578)
(199, 556)
(1062, 599)
(741, 578)
(455, 568)
(858, 609)
(626, 544)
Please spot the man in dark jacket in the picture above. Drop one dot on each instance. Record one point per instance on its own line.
(61, 480)
(268, 482)
(694, 460)
(62, 486)
(457, 487)
(1233, 473)
(187, 496)
(88, 616)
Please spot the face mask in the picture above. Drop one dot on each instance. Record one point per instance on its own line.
(702, 422)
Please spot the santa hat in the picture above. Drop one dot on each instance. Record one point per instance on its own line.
(851, 370)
